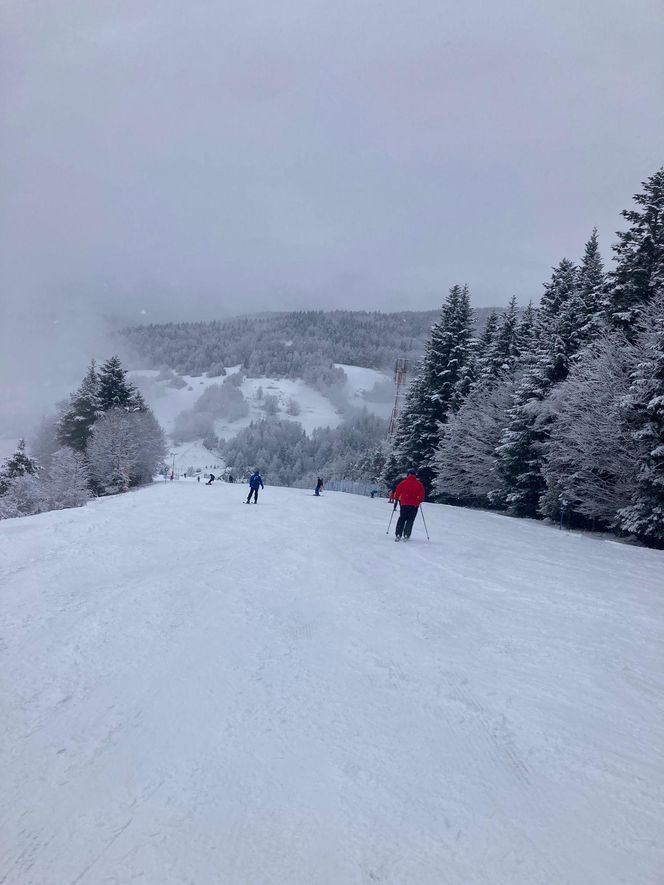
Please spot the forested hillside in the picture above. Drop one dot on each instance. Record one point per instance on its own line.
(560, 413)
(303, 344)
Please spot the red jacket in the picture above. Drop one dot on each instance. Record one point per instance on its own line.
(410, 492)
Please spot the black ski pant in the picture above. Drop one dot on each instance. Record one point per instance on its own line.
(253, 492)
(407, 514)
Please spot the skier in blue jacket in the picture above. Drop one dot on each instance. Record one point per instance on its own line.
(255, 482)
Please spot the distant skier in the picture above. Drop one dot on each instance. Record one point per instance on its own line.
(391, 498)
(198, 478)
(255, 483)
(409, 494)
(210, 480)
(319, 487)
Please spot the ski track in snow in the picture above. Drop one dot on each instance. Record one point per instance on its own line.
(197, 691)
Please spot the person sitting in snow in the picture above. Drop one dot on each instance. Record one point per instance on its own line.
(255, 482)
(409, 494)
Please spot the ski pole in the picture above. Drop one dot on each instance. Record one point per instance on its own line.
(391, 517)
(425, 523)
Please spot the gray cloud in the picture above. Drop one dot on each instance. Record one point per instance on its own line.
(194, 159)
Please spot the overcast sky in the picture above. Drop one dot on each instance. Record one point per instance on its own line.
(181, 159)
(190, 157)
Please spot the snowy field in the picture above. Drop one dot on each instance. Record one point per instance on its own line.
(197, 691)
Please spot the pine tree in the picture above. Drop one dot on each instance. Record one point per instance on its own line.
(590, 454)
(75, 425)
(592, 286)
(520, 454)
(526, 336)
(466, 457)
(485, 344)
(18, 464)
(114, 389)
(112, 452)
(645, 516)
(639, 255)
(67, 480)
(504, 353)
(435, 392)
(560, 318)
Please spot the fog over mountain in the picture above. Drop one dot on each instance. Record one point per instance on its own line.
(166, 160)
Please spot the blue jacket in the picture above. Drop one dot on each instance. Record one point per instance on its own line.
(255, 480)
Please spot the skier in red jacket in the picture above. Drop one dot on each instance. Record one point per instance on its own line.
(409, 493)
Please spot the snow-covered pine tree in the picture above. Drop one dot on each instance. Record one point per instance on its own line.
(485, 340)
(151, 447)
(592, 290)
(590, 454)
(75, 425)
(66, 482)
(465, 459)
(504, 352)
(644, 517)
(485, 344)
(639, 255)
(520, 453)
(18, 464)
(23, 496)
(114, 389)
(466, 456)
(527, 332)
(112, 451)
(435, 393)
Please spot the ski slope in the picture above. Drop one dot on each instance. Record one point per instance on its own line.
(199, 691)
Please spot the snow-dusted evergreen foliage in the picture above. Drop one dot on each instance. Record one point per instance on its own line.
(115, 391)
(17, 465)
(23, 495)
(566, 414)
(75, 425)
(592, 290)
(127, 448)
(520, 453)
(438, 390)
(645, 404)
(466, 458)
(639, 254)
(303, 344)
(92, 446)
(286, 456)
(590, 454)
(66, 480)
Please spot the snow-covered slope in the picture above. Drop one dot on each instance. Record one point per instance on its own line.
(196, 690)
(360, 382)
(315, 410)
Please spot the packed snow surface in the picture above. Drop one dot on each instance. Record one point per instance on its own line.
(199, 691)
